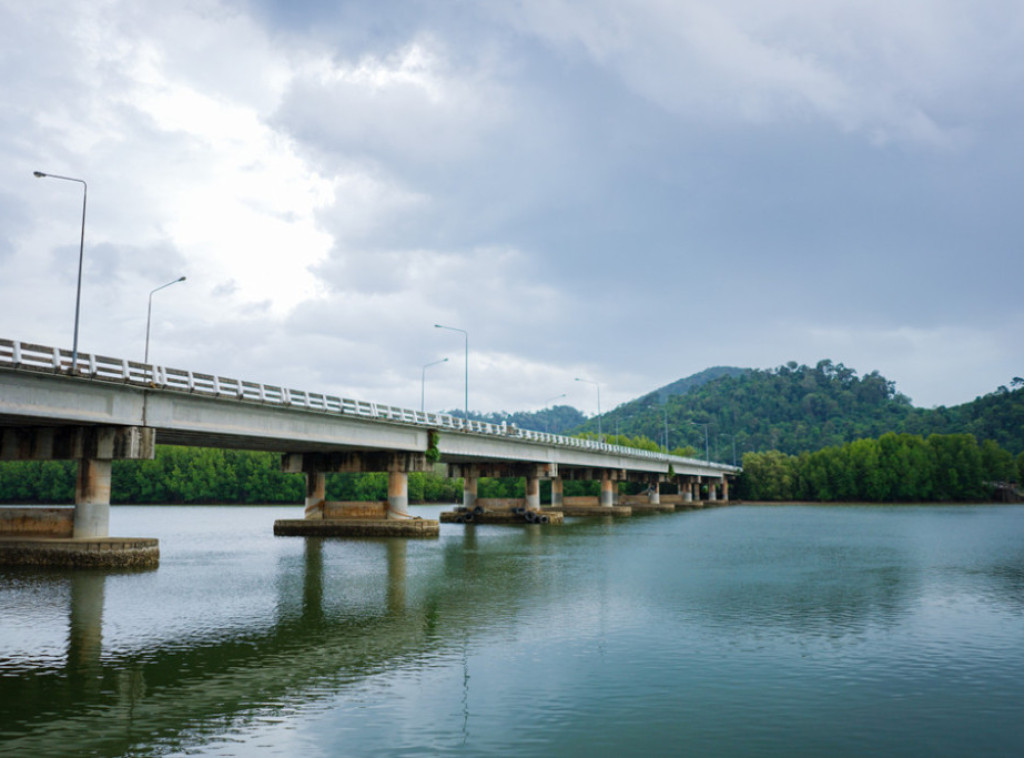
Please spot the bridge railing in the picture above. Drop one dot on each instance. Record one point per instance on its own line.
(40, 358)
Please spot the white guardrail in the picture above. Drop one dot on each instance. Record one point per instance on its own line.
(40, 358)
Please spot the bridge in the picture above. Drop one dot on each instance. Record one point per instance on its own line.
(104, 409)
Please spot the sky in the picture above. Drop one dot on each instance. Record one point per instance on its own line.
(624, 192)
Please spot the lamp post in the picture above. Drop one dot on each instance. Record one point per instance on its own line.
(149, 313)
(423, 380)
(666, 425)
(707, 450)
(548, 402)
(466, 335)
(81, 257)
(588, 381)
(733, 438)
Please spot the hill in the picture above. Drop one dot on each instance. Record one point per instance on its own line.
(796, 408)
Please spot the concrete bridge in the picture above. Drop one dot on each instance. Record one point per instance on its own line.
(108, 409)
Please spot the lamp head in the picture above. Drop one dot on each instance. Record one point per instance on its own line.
(181, 279)
(38, 174)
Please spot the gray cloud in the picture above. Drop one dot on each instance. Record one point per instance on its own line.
(627, 191)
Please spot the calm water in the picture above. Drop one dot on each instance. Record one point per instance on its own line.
(741, 631)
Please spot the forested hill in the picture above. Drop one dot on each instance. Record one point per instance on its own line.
(682, 386)
(795, 408)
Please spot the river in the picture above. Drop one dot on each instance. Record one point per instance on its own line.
(739, 631)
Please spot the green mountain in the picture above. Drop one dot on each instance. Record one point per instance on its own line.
(682, 386)
(796, 408)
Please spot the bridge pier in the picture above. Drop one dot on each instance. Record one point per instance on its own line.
(502, 510)
(532, 492)
(389, 518)
(398, 495)
(607, 497)
(557, 490)
(316, 494)
(654, 491)
(36, 535)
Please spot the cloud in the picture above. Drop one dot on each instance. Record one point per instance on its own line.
(627, 191)
(878, 70)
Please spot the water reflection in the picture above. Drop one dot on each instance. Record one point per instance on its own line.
(564, 633)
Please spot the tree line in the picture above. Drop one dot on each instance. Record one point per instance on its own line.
(894, 468)
(196, 475)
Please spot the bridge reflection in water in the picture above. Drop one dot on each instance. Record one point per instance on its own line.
(596, 638)
(336, 622)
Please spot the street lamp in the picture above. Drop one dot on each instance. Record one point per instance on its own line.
(588, 381)
(423, 380)
(81, 256)
(466, 335)
(149, 313)
(733, 438)
(707, 450)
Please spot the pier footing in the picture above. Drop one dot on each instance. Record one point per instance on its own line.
(356, 527)
(502, 516)
(652, 507)
(596, 510)
(94, 552)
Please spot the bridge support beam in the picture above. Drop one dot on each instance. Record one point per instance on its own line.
(654, 492)
(556, 492)
(532, 492)
(470, 482)
(316, 494)
(398, 495)
(88, 542)
(389, 518)
(607, 497)
(92, 499)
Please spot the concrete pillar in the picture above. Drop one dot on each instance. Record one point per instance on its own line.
(556, 492)
(316, 494)
(92, 499)
(654, 493)
(712, 487)
(607, 489)
(532, 492)
(469, 485)
(398, 494)
(725, 489)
